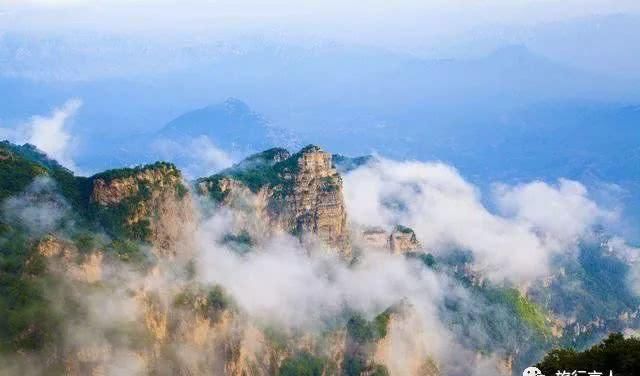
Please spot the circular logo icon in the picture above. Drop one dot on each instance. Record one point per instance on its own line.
(532, 371)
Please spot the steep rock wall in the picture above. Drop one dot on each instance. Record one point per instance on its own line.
(300, 194)
(148, 203)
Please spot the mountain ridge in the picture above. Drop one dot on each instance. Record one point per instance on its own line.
(148, 215)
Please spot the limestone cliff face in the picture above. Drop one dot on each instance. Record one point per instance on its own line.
(393, 343)
(401, 240)
(403, 350)
(300, 193)
(314, 203)
(148, 203)
(190, 329)
(64, 259)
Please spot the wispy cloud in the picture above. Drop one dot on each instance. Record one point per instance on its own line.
(197, 156)
(516, 244)
(49, 133)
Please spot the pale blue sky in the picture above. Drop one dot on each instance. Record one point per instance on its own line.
(580, 33)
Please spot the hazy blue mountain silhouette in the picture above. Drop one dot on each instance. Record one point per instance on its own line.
(231, 125)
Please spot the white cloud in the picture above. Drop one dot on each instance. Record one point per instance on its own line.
(561, 213)
(40, 209)
(537, 220)
(197, 156)
(50, 133)
(280, 282)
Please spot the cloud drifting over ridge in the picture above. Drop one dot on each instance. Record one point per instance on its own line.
(198, 156)
(40, 208)
(282, 283)
(534, 222)
(50, 134)
(561, 213)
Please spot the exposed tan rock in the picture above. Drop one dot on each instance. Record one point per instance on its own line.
(307, 198)
(376, 238)
(63, 258)
(154, 197)
(505, 365)
(51, 246)
(90, 270)
(5, 155)
(403, 350)
(315, 203)
(155, 319)
(401, 240)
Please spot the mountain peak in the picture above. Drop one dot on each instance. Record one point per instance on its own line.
(235, 105)
(230, 125)
(310, 149)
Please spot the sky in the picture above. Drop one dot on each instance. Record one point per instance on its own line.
(593, 35)
(408, 26)
(358, 95)
(410, 79)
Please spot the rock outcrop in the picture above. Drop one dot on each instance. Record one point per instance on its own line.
(147, 203)
(403, 239)
(300, 194)
(403, 350)
(399, 241)
(64, 259)
(376, 237)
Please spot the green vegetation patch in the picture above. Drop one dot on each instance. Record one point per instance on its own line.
(241, 243)
(114, 218)
(357, 366)
(16, 172)
(616, 353)
(303, 364)
(19, 165)
(404, 229)
(330, 183)
(129, 251)
(427, 259)
(27, 320)
(526, 310)
(362, 331)
(346, 164)
(267, 168)
(122, 173)
(207, 303)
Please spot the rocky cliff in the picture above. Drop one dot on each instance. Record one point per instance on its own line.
(147, 203)
(400, 240)
(74, 301)
(300, 193)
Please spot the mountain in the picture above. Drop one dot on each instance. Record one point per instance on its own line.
(398, 105)
(231, 125)
(137, 271)
(297, 193)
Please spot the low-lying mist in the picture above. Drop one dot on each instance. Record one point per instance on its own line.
(121, 315)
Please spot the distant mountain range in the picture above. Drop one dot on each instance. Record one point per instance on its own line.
(484, 114)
